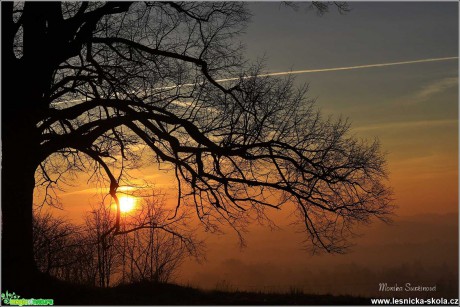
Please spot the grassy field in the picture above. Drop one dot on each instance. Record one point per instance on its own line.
(170, 294)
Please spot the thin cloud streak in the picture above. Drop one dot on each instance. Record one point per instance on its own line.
(98, 191)
(283, 73)
(305, 71)
(437, 87)
(408, 124)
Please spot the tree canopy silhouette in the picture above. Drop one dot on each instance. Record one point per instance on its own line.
(88, 84)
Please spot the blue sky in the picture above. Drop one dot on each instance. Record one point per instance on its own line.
(412, 109)
(369, 33)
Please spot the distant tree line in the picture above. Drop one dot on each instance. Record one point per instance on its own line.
(152, 249)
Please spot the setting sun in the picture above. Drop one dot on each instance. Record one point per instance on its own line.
(127, 203)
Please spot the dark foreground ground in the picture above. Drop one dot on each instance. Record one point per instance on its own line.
(170, 294)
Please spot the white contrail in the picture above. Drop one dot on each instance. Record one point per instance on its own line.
(306, 71)
(293, 72)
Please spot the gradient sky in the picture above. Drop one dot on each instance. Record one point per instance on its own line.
(412, 109)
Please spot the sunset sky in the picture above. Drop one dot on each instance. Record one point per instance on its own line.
(412, 109)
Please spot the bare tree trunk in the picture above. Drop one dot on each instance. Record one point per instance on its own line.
(21, 99)
(18, 168)
(20, 159)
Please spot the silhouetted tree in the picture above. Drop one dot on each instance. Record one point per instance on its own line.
(62, 249)
(152, 244)
(98, 222)
(321, 7)
(53, 237)
(86, 83)
(157, 243)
